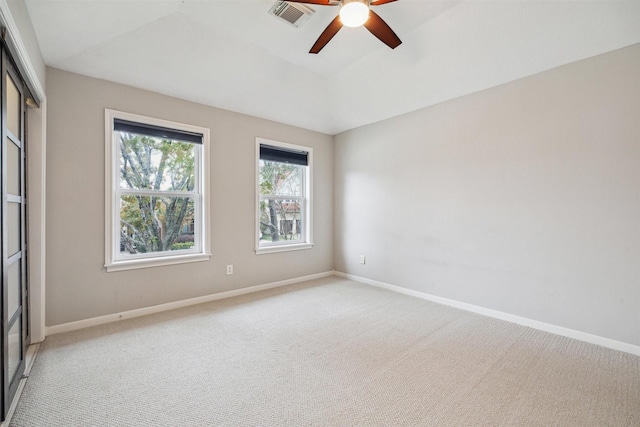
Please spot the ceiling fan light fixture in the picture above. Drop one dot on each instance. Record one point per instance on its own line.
(354, 13)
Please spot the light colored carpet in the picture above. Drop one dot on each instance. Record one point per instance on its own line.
(330, 352)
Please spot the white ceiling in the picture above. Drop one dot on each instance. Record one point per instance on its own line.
(233, 55)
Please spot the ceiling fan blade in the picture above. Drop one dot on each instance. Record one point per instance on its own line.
(381, 30)
(380, 2)
(318, 2)
(326, 36)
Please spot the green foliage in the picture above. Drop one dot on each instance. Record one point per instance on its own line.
(152, 223)
(277, 179)
(155, 164)
(181, 246)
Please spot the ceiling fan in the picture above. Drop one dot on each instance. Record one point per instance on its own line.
(354, 13)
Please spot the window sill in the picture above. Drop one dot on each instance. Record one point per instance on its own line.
(283, 248)
(155, 262)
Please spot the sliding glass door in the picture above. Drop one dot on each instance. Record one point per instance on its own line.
(13, 232)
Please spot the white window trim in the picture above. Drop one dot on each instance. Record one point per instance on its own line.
(307, 241)
(112, 184)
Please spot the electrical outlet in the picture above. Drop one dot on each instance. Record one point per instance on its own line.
(229, 269)
(362, 259)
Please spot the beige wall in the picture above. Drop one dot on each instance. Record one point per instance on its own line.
(524, 198)
(20, 15)
(78, 286)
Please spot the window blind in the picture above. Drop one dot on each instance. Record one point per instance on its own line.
(284, 156)
(156, 131)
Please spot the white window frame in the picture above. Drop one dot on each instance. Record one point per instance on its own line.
(114, 261)
(306, 206)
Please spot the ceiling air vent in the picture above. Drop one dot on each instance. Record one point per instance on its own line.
(295, 14)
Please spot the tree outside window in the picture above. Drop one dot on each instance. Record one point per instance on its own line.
(284, 196)
(156, 200)
(280, 201)
(156, 219)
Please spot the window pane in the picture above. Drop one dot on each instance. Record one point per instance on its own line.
(280, 179)
(155, 164)
(15, 347)
(156, 224)
(13, 228)
(280, 220)
(13, 168)
(13, 107)
(14, 288)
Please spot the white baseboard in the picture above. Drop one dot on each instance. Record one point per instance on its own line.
(115, 317)
(535, 324)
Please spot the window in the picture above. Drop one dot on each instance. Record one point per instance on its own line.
(156, 198)
(283, 219)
